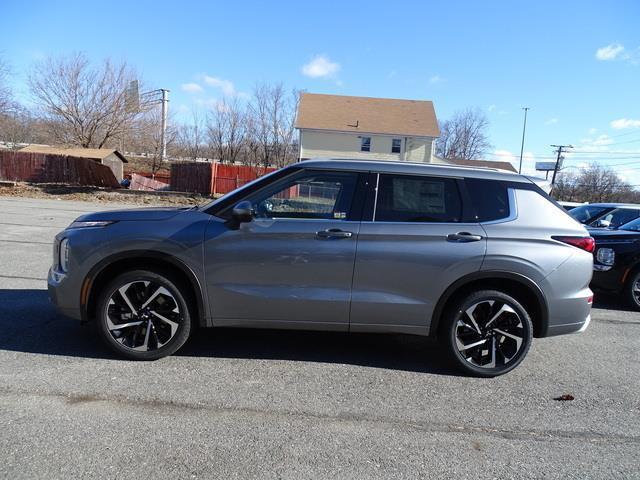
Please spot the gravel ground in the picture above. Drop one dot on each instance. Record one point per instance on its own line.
(266, 404)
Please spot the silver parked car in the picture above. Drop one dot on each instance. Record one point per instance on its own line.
(481, 260)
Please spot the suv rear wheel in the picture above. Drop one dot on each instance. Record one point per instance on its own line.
(143, 315)
(632, 290)
(487, 333)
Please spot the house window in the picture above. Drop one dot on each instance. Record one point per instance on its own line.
(395, 145)
(365, 144)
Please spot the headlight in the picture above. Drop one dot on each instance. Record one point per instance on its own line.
(100, 223)
(64, 255)
(606, 256)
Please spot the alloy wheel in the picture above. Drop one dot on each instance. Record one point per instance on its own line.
(489, 334)
(635, 290)
(142, 316)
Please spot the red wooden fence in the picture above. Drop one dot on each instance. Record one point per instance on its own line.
(45, 168)
(212, 178)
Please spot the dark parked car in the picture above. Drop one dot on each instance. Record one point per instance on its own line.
(617, 261)
(605, 215)
(482, 260)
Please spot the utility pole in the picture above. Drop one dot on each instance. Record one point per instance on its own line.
(139, 101)
(163, 133)
(524, 129)
(558, 158)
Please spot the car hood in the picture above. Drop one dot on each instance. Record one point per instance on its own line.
(137, 214)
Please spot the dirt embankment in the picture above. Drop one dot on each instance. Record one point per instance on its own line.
(93, 194)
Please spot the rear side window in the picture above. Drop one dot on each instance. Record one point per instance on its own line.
(408, 198)
(489, 199)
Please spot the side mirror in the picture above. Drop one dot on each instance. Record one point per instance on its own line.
(242, 212)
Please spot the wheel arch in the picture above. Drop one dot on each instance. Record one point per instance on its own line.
(159, 262)
(522, 288)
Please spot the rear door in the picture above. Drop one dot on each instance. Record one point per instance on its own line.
(413, 243)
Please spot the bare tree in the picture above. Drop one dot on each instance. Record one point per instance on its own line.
(272, 113)
(190, 141)
(6, 98)
(144, 137)
(227, 130)
(464, 136)
(84, 105)
(593, 184)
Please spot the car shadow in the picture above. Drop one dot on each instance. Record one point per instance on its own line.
(31, 324)
(611, 301)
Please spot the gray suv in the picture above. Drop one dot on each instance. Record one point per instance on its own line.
(481, 260)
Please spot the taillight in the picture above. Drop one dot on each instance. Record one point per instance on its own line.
(588, 244)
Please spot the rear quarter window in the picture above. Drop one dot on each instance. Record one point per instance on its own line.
(489, 199)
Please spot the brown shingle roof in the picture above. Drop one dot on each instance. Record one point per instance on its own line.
(482, 163)
(367, 115)
(91, 153)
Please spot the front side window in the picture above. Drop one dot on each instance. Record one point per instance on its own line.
(365, 144)
(408, 198)
(395, 145)
(311, 195)
(616, 217)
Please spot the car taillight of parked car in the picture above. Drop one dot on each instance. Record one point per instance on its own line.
(588, 244)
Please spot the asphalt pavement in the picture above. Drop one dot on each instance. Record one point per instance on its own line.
(268, 404)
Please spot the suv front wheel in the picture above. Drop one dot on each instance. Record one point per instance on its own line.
(143, 315)
(487, 333)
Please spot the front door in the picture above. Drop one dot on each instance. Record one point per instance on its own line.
(292, 265)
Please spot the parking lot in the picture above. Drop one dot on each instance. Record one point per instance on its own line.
(255, 404)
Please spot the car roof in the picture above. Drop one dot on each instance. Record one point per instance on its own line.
(413, 168)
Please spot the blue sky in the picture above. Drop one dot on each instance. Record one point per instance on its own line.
(576, 64)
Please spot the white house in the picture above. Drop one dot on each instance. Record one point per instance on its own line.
(366, 128)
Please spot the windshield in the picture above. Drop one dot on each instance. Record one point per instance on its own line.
(633, 226)
(585, 213)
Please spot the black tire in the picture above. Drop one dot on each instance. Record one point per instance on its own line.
(494, 352)
(153, 326)
(633, 299)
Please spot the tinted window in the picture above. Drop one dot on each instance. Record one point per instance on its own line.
(396, 143)
(406, 198)
(322, 195)
(365, 144)
(617, 217)
(587, 212)
(489, 199)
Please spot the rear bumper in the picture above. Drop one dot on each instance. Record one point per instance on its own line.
(567, 328)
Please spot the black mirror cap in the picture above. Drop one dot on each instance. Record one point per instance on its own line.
(242, 212)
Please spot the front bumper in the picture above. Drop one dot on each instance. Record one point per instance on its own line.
(63, 295)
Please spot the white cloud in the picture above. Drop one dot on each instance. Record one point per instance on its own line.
(551, 121)
(436, 79)
(191, 88)
(528, 160)
(610, 52)
(623, 123)
(592, 131)
(227, 87)
(492, 107)
(320, 66)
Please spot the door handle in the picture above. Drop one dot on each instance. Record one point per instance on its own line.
(463, 237)
(333, 233)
